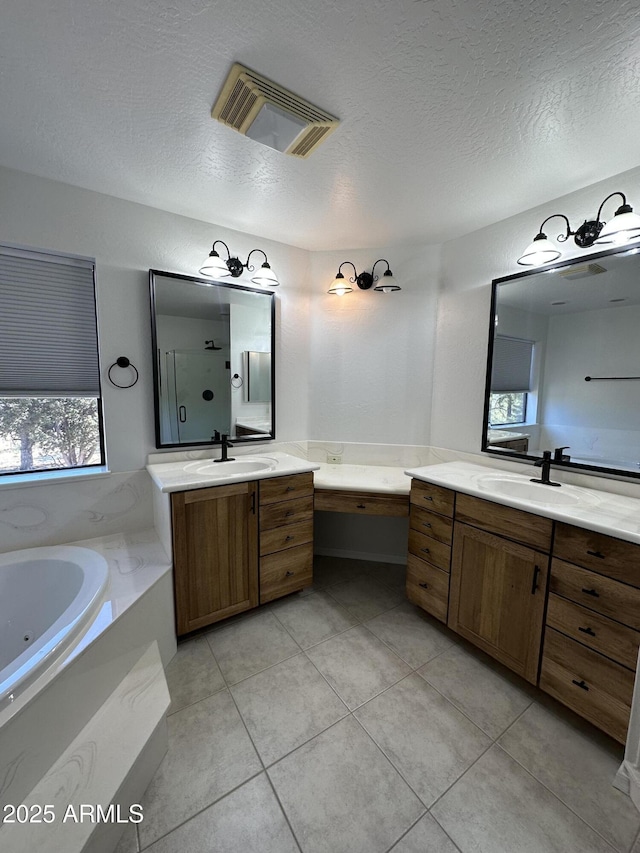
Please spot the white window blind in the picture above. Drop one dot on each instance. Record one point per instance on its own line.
(511, 365)
(48, 333)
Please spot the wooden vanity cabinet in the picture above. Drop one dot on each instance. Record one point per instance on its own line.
(215, 553)
(286, 535)
(592, 630)
(429, 559)
(498, 585)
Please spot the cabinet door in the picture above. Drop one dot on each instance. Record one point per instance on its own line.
(497, 597)
(215, 548)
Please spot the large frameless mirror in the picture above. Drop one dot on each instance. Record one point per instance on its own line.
(563, 371)
(204, 333)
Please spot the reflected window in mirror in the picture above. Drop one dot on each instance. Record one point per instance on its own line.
(202, 331)
(564, 364)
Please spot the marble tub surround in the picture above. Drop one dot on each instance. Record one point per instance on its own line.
(604, 512)
(431, 746)
(136, 611)
(55, 513)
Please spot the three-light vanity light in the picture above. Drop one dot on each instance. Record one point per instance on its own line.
(217, 267)
(622, 228)
(365, 280)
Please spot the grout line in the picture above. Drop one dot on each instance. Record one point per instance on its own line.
(284, 813)
(434, 818)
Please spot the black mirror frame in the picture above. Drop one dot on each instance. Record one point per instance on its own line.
(154, 345)
(519, 456)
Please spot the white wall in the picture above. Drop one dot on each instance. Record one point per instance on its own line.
(372, 353)
(469, 264)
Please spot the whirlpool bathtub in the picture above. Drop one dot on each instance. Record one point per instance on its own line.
(48, 596)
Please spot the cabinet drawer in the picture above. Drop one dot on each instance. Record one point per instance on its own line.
(603, 554)
(287, 536)
(594, 630)
(515, 524)
(286, 488)
(593, 686)
(428, 587)
(597, 592)
(430, 523)
(432, 497)
(361, 503)
(286, 512)
(434, 552)
(285, 572)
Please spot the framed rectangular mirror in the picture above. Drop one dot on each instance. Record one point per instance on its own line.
(201, 333)
(563, 370)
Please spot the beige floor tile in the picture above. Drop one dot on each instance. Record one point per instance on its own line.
(427, 836)
(193, 674)
(578, 768)
(286, 705)
(357, 665)
(249, 820)
(497, 807)
(427, 739)
(250, 646)
(413, 635)
(393, 575)
(492, 699)
(331, 570)
(364, 597)
(209, 754)
(314, 618)
(342, 795)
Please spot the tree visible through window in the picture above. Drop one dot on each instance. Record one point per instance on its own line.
(508, 408)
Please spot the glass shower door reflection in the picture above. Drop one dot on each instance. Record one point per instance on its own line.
(201, 401)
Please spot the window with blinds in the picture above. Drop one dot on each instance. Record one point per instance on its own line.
(511, 378)
(50, 403)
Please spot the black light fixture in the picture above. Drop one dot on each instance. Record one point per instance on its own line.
(623, 227)
(364, 280)
(216, 267)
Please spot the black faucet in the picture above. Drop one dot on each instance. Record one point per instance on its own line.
(545, 464)
(216, 436)
(559, 456)
(224, 440)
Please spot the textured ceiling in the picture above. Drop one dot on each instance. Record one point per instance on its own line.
(455, 113)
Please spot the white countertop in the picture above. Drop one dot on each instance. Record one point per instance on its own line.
(180, 476)
(614, 515)
(494, 435)
(383, 479)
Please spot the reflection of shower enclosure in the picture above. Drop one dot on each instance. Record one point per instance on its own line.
(198, 398)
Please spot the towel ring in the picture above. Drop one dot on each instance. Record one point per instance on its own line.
(123, 361)
(237, 381)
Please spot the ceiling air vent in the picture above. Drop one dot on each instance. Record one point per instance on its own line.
(268, 113)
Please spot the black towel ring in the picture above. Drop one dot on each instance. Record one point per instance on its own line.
(237, 381)
(123, 361)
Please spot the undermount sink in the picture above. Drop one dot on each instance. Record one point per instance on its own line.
(537, 493)
(245, 465)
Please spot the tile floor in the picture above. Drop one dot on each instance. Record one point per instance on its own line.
(346, 719)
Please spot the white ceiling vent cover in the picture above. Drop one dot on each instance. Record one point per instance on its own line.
(264, 111)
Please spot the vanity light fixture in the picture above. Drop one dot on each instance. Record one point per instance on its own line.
(624, 226)
(216, 267)
(364, 280)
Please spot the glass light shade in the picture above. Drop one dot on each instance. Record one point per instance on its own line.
(620, 229)
(214, 267)
(265, 277)
(340, 286)
(541, 251)
(387, 284)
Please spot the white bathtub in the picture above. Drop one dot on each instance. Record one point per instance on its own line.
(48, 597)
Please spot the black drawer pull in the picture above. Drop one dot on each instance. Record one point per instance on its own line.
(290, 488)
(581, 684)
(361, 506)
(288, 513)
(289, 574)
(425, 550)
(596, 554)
(289, 538)
(427, 498)
(424, 585)
(588, 631)
(591, 592)
(426, 524)
(534, 582)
